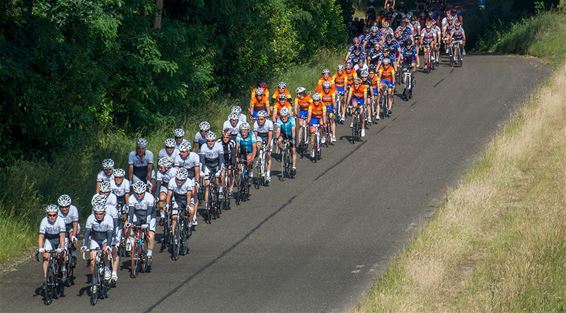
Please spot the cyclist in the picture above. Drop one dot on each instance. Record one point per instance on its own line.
(200, 136)
(458, 36)
(99, 233)
(410, 55)
(326, 77)
(246, 147)
(316, 114)
(367, 83)
(386, 75)
(329, 99)
(233, 125)
(69, 213)
(170, 150)
(121, 189)
(140, 164)
(106, 174)
(438, 36)
(428, 41)
(110, 209)
(350, 74)
(373, 79)
(394, 49)
(262, 85)
(358, 98)
(355, 45)
(179, 137)
(259, 103)
(281, 90)
(229, 155)
(302, 103)
(181, 189)
(213, 164)
(282, 102)
(165, 173)
(191, 162)
(51, 237)
(373, 38)
(340, 79)
(238, 111)
(141, 211)
(374, 54)
(385, 29)
(286, 131)
(263, 130)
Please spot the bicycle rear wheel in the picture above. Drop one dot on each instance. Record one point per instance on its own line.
(48, 287)
(135, 260)
(175, 241)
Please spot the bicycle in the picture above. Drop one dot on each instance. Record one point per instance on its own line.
(428, 64)
(356, 126)
(317, 143)
(138, 251)
(384, 101)
(286, 160)
(456, 59)
(326, 136)
(303, 146)
(224, 196)
(53, 286)
(242, 182)
(338, 116)
(166, 230)
(98, 285)
(407, 81)
(259, 168)
(374, 110)
(212, 204)
(179, 237)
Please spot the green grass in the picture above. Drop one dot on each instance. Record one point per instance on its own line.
(28, 186)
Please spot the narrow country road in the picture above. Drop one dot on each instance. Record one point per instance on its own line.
(315, 244)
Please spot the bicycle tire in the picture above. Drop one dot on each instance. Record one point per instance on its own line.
(283, 164)
(185, 233)
(48, 286)
(94, 284)
(175, 242)
(134, 260)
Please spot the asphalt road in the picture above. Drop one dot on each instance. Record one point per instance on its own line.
(316, 244)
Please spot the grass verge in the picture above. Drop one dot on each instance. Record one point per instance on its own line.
(499, 242)
(28, 186)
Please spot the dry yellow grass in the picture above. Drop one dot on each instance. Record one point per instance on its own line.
(499, 242)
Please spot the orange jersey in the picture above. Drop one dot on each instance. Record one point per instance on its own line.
(359, 92)
(303, 103)
(265, 92)
(277, 108)
(328, 98)
(317, 109)
(374, 80)
(321, 81)
(277, 93)
(387, 73)
(340, 80)
(351, 76)
(259, 105)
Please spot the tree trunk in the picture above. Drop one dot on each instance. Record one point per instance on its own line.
(158, 14)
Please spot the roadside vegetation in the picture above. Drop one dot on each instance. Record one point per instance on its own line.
(499, 242)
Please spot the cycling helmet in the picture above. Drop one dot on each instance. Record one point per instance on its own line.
(51, 208)
(282, 96)
(245, 126)
(165, 162)
(284, 111)
(259, 92)
(408, 42)
(119, 172)
(234, 116)
(107, 163)
(182, 174)
(389, 37)
(262, 114)
(64, 200)
(282, 85)
(316, 97)
(210, 136)
(262, 84)
(326, 85)
(139, 187)
(365, 73)
(185, 146)
(169, 143)
(340, 67)
(374, 29)
(457, 23)
(301, 90)
(372, 68)
(325, 71)
(386, 61)
(236, 109)
(179, 132)
(349, 65)
(204, 126)
(99, 208)
(105, 186)
(356, 40)
(142, 142)
(98, 200)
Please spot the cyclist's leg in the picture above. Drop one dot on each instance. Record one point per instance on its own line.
(151, 237)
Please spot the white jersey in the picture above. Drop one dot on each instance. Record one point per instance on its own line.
(120, 190)
(111, 204)
(164, 178)
(140, 163)
(52, 231)
(234, 130)
(210, 157)
(141, 208)
(181, 189)
(103, 177)
(263, 130)
(189, 163)
(70, 218)
(99, 231)
(437, 30)
(163, 154)
(200, 140)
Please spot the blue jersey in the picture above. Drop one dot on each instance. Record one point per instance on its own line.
(246, 143)
(286, 128)
(409, 55)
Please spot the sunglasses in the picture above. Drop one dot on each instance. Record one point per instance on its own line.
(261, 118)
(98, 213)
(52, 215)
(211, 140)
(169, 148)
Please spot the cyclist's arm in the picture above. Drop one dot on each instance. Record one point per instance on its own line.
(40, 240)
(309, 115)
(130, 172)
(86, 238)
(323, 114)
(169, 196)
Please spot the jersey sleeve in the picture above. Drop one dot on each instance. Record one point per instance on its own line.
(131, 158)
(149, 156)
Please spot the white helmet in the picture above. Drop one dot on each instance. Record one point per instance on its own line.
(204, 126)
(139, 187)
(365, 73)
(107, 163)
(316, 97)
(119, 172)
(52, 208)
(236, 109)
(245, 126)
(340, 67)
(386, 61)
(259, 92)
(64, 200)
(284, 111)
(179, 132)
(326, 85)
(182, 174)
(282, 84)
(142, 142)
(325, 71)
(210, 136)
(169, 143)
(301, 90)
(165, 162)
(262, 114)
(185, 146)
(98, 200)
(98, 208)
(105, 186)
(234, 116)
